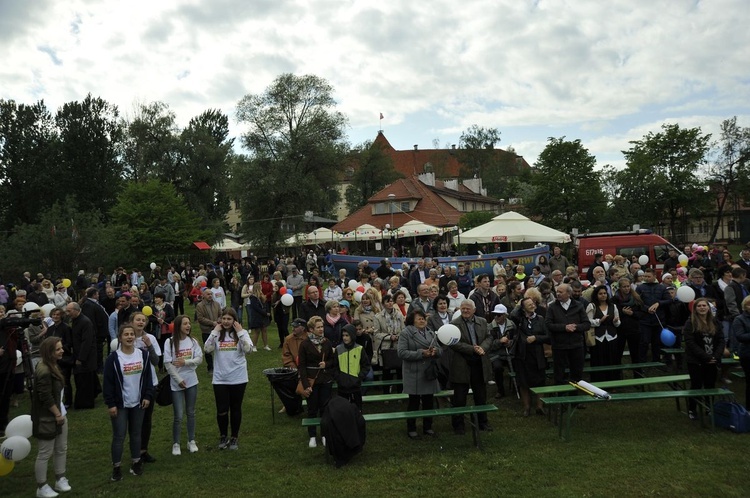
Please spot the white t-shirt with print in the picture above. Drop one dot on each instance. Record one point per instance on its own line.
(131, 366)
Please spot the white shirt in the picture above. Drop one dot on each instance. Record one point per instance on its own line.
(189, 350)
(230, 365)
(131, 366)
(139, 344)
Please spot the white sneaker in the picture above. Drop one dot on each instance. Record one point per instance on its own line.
(176, 451)
(45, 492)
(62, 485)
(313, 443)
(192, 447)
(267, 348)
(255, 350)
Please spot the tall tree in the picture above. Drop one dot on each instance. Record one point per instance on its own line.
(476, 150)
(154, 221)
(90, 138)
(297, 149)
(28, 162)
(373, 170)
(665, 166)
(730, 169)
(151, 143)
(568, 192)
(206, 155)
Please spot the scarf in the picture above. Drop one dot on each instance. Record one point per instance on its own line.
(393, 323)
(316, 340)
(332, 320)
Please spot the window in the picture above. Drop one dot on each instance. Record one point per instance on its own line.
(428, 168)
(405, 206)
(463, 205)
(381, 208)
(628, 252)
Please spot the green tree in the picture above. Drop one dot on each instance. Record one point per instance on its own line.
(730, 170)
(151, 143)
(63, 241)
(28, 162)
(90, 141)
(153, 221)
(568, 192)
(474, 219)
(477, 150)
(662, 175)
(203, 177)
(374, 170)
(297, 149)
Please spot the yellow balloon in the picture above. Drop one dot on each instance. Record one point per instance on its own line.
(147, 310)
(683, 263)
(6, 466)
(66, 282)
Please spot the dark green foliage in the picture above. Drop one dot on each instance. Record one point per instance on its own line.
(373, 170)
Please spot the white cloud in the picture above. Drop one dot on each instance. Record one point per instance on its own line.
(604, 72)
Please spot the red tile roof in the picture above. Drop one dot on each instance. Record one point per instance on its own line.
(412, 162)
(430, 208)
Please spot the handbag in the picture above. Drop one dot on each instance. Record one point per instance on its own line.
(390, 359)
(163, 392)
(590, 336)
(310, 381)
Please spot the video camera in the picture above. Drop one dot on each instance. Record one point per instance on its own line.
(19, 319)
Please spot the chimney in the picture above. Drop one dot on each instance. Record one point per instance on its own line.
(453, 146)
(416, 146)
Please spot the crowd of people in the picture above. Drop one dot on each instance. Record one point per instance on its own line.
(344, 329)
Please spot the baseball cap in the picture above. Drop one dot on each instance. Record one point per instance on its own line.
(299, 322)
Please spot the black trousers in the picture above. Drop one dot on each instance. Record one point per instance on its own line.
(745, 363)
(702, 376)
(427, 402)
(572, 359)
(179, 305)
(229, 407)
(461, 391)
(603, 354)
(87, 384)
(146, 426)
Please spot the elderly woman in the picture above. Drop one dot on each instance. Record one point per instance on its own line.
(527, 351)
(395, 285)
(386, 338)
(316, 361)
(442, 314)
(454, 296)
(417, 347)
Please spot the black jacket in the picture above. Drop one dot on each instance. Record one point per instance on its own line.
(556, 320)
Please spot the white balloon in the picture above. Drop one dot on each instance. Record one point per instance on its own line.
(685, 294)
(15, 448)
(643, 260)
(30, 306)
(47, 309)
(152, 266)
(449, 334)
(19, 426)
(287, 300)
(114, 344)
(353, 284)
(682, 258)
(456, 314)
(358, 296)
(19, 357)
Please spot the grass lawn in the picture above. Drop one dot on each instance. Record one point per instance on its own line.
(622, 449)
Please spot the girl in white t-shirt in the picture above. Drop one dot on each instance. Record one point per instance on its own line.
(219, 295)
(231, 343)
(182, 355)
(146, 342)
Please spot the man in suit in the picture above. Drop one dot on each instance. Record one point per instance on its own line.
(84, 353)
(417, 277)
(99, 317)
(567, 321)
(470, 365)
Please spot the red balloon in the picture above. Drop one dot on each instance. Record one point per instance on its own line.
(282, 290)
(203, 283)
(361, 289)
(170, 327)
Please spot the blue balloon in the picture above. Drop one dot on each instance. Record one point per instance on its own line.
(668, 338)
(290, 292)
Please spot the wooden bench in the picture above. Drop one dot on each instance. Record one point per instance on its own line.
(614, 384)
(739, 374)
(567, 404)
(439, 412)
(373, 398)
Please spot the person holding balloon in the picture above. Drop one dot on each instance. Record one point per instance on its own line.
(655, 301)
(704, 348)
(417, 347)
(50, 425)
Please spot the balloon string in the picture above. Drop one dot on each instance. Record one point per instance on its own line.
(657, 319)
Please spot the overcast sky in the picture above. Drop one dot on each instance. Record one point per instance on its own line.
(603, 72)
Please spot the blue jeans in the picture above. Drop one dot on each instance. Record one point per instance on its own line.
(248, 312)
(127, 420)
(182, 401)
(238, 309)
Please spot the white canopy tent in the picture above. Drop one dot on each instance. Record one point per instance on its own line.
(227, 245)
(322, 235)
(363, 232)
(297, 239)
(416, 228)
(512, 227)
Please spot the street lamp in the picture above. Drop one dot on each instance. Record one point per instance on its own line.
(390, 205)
